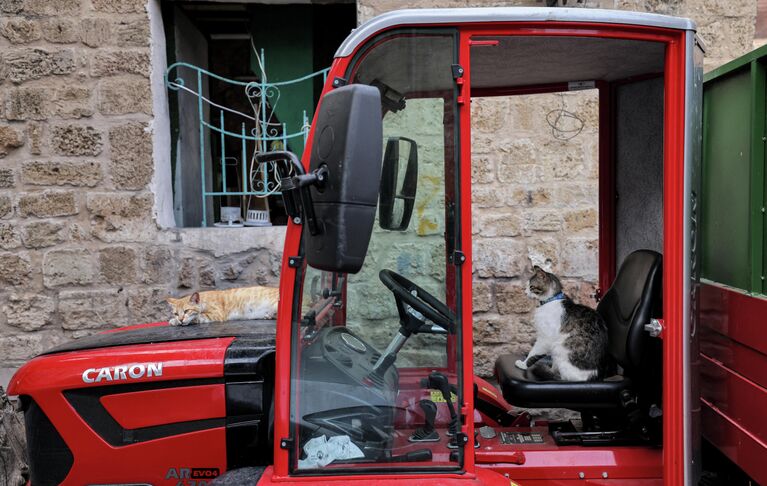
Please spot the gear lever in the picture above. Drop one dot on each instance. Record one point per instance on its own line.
(438, 381)
(427, 432)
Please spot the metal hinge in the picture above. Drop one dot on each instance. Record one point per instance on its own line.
(461, 438)
(457, 71)
(457, 258)
(286, 444)
(654, 328)
(338, 82)
(295, 261)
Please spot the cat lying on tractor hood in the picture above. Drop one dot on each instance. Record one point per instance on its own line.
(237, 304)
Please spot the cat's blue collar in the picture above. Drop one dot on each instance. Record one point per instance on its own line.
(559, 296)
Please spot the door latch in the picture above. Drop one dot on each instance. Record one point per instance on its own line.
(654, 328)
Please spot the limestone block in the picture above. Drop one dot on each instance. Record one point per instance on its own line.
(514, 172)
(104, 205)
(76, 140)
(48, 204)
(7, 178)
(17, 348)
(119, 6)
(148, 305)
(11, 6)
(117, 264)
(51, 173)
(157, 265)
(34, 63)
(530, 195)
(60, 30)
(132, 164)
(35, 136)
(14, 268)
(497, 223)
(26, 104)
(206, 274)
(482, 169)
(68, 267)
(580, 220)
(544, 252)
(726, 37)
(579, 258)
(499, 257)
(52, 7)
(257, 267)
(94, 32)
(41, 234)
(6, 208)
(10, 138)
(511, 297)
(121, 217)
(746, 9)
(112, 62)
(121, 96)
(542, 220)
(186, 273)
(576, 195)
(489, 115)
(132, 32)
(72, 102)
(9, 236)
(20, 30)
(79, 232)
(492, 329)
(489, 196)
(29, 312)
(482, 296)
(92, 309)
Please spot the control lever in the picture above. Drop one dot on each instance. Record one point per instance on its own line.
(427, 432)
(420, 455)
(438, 381)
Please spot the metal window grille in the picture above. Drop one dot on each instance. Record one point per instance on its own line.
(257, 132)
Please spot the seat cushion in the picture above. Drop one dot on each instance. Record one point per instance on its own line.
(522, 388)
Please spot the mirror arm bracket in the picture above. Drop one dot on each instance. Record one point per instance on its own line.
(299, 182)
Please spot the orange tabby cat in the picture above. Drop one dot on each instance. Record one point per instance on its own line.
(225, 305)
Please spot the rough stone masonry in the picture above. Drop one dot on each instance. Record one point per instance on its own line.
(80, 246)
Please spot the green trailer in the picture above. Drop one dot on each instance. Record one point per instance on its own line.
(733, 305)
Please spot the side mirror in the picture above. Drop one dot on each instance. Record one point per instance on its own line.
(399, 181)
(346, 149)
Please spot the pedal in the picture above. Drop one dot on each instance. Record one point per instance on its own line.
(422, 435)
(427, 433)
(487, 432)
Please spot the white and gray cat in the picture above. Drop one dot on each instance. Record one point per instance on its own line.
(571, 340)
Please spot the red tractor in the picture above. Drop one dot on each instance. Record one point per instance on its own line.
(325, 397)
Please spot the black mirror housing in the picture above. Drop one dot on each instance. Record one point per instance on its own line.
(347, 143)
(398, 184)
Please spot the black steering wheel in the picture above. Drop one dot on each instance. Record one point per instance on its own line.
(407, 294)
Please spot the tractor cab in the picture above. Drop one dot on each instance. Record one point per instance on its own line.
(375, 330)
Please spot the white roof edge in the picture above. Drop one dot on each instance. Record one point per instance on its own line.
(505, 14)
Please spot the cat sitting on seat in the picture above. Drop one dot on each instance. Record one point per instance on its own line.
(571, 339)
(225, 305)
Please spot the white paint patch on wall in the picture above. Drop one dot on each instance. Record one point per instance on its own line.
(161, 184)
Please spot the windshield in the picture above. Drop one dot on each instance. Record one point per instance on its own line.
(375, 366)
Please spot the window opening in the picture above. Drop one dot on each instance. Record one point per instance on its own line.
(242, 79)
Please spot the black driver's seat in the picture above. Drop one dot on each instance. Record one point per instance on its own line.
(633, 299)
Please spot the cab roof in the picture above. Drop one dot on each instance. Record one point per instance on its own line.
(455, 16)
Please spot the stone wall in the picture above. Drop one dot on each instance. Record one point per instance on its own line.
(81, 127)
(80, 246)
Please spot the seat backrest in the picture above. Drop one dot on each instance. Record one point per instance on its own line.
(633, 299)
